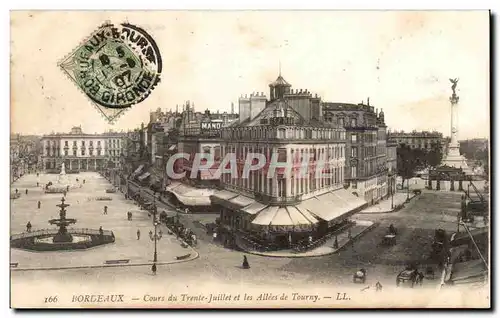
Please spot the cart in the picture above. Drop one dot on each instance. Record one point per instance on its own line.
(359, 276)
(389, 239)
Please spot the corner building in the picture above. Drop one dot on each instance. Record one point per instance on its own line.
(366, 173)
(284, 211)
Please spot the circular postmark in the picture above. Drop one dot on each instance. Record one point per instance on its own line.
(117, 66)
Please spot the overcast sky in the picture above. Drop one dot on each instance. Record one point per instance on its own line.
(401, 60)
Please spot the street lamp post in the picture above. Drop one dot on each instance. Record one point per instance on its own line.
(156, 236)
(392, 193)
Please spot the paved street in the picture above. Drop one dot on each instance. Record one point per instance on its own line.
(89, 214)
(415, 224)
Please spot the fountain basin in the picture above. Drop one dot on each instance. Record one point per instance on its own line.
(74, 239)
(61, 188)
(43, 240)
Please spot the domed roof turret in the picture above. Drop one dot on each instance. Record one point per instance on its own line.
(280, 81)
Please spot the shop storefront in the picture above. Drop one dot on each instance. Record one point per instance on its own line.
(283, 227)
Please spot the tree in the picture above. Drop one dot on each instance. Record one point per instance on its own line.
(407, 163)
(419, 157)
(435, 155)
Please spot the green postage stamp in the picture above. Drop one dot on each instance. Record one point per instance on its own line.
(117, 66)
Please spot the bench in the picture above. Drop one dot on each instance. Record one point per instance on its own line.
(183, 257)
(117, 261)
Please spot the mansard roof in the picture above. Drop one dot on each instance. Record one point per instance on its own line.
(281, 105)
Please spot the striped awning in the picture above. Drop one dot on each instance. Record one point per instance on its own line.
(332, 206)
(190, 196)
(352, 201)
(254, 208)
(265, 216)
(242, 201)
(285, 219)
(225, 195)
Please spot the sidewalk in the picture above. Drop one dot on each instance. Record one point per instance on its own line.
(327, 248)
(388, 205)
(90, 215)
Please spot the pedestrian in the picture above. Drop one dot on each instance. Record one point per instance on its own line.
(39, 204)
(153, 268)
(245, 262)
(420, 278)
(83, 181)
(67, 188)
(101, 232)
(28, 226)
(105, 210)
(37, 184)
(64, 192)
(26, 191)
(138, 234)
(17, 191)
(37, 174)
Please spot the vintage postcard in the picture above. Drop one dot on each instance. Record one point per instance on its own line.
(250, 159)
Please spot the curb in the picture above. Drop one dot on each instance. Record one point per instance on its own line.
(353, 239)
(197, 255)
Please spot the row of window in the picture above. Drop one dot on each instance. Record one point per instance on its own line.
(367, 151)
(282, 133)
(368, 137)
(91, 152)
(114, 142)
(296, 155)
(114, 153)
(257, 181)
(342, 121)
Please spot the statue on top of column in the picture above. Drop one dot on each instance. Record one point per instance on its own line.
(454, 86)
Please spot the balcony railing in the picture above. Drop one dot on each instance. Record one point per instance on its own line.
(268, 199)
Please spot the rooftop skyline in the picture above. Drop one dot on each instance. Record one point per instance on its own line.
(400, 60)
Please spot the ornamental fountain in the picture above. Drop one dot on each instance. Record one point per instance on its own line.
(62, 184)
(63, 238)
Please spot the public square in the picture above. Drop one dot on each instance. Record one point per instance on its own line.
(415, 223)
(89, 214)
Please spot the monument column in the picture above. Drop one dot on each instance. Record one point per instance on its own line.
(454, 147)
(453, 157)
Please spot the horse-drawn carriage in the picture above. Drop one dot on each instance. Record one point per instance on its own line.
(410, 276)
(389, 239)
(359, 276)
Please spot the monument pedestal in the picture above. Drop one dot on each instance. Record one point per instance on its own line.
(455, 160)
